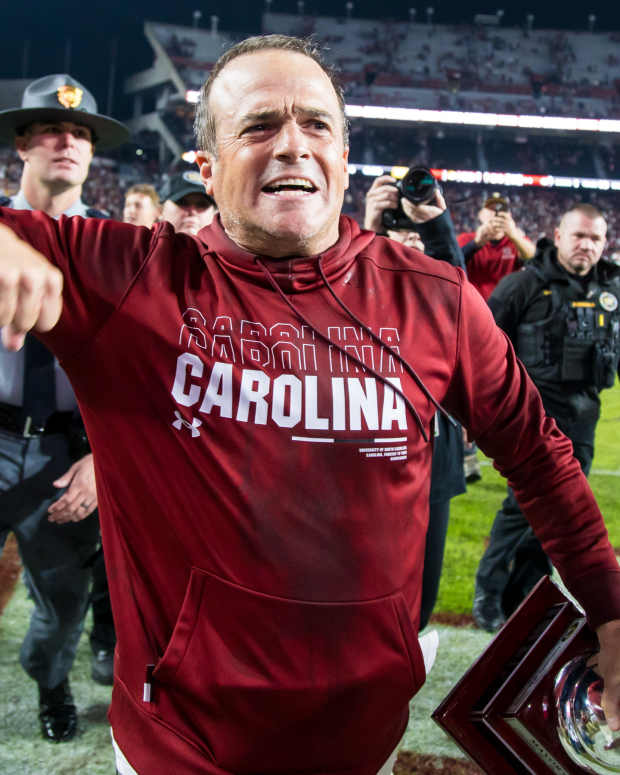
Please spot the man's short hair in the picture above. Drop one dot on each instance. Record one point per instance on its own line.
(204, 124)
(585, 209)
(146, 189)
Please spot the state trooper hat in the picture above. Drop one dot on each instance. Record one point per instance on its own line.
(182, 184)
(60, 97)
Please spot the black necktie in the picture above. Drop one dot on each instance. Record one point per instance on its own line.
(39, 400)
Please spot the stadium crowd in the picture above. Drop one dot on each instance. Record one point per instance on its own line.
(468, 67)
(536, 209)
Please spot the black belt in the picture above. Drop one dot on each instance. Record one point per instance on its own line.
(12, 419)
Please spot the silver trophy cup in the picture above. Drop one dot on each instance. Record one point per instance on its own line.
(582, 728)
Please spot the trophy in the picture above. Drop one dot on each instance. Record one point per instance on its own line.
(530, 703)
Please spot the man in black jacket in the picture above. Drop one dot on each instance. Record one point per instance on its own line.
(432, 232)
(562, 315)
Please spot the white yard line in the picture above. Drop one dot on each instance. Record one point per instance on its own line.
(597, 471)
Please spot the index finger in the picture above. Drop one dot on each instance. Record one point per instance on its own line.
(30, 288)
(39, 300)
(11, 339)
(382, 180)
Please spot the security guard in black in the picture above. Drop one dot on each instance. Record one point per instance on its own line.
(562, 315)
(565, 328)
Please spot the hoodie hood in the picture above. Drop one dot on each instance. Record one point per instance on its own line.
(293, 275)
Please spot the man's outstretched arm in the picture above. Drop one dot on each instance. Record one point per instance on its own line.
(30, 290)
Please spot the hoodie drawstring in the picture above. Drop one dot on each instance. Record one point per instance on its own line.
(409, 369)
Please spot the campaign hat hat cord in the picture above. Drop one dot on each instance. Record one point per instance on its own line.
(59, 97)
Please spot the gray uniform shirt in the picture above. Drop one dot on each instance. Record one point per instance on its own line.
(12, 364)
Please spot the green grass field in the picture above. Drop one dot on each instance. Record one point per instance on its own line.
(472, 513)
(23, 752)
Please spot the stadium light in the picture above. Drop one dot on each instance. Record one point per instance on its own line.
(470, 118)
(511, 179)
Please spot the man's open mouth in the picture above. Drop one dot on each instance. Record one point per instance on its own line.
(290, 185)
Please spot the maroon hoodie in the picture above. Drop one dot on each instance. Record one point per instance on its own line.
(263, 483)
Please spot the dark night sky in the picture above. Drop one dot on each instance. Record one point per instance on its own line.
(48, 26)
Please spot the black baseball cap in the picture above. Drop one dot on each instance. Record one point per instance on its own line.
(182, 184)
(60, 97)
(496, 199)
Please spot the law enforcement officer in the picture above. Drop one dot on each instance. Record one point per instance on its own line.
(185, 204)
(47, 489)
(561, 314)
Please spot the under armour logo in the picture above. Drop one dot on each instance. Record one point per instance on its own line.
(192, 426)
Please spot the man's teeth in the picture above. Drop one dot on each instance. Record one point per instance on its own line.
(290, 184)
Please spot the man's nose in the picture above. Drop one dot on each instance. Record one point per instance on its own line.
(586, 243)
(291, 142)
(66, 139)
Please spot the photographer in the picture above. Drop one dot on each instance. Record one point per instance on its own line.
(430, 231)
(497, 247)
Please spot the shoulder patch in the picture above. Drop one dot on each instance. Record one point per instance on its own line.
(608, 301)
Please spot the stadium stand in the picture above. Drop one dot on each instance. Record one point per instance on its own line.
(474, 67)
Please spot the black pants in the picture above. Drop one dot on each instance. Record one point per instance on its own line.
(103, 635)
(514, 560)
(439, 516)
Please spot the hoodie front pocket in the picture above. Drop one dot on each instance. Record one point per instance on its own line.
(262, 682)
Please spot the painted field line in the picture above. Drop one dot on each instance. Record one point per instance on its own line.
(597, 471)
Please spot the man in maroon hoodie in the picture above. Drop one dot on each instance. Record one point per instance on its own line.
(260, 400)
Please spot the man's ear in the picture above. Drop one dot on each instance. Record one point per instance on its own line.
(345, 158)
(21, 146)
(206, 166)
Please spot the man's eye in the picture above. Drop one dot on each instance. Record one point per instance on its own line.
(256, 128)
(320, 125)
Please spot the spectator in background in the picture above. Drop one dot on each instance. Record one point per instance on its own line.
(47, 489)
(185, 204)
(431, 232)
(142, 207)
(497, 248)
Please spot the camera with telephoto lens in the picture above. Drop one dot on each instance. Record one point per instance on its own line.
(418, 186)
